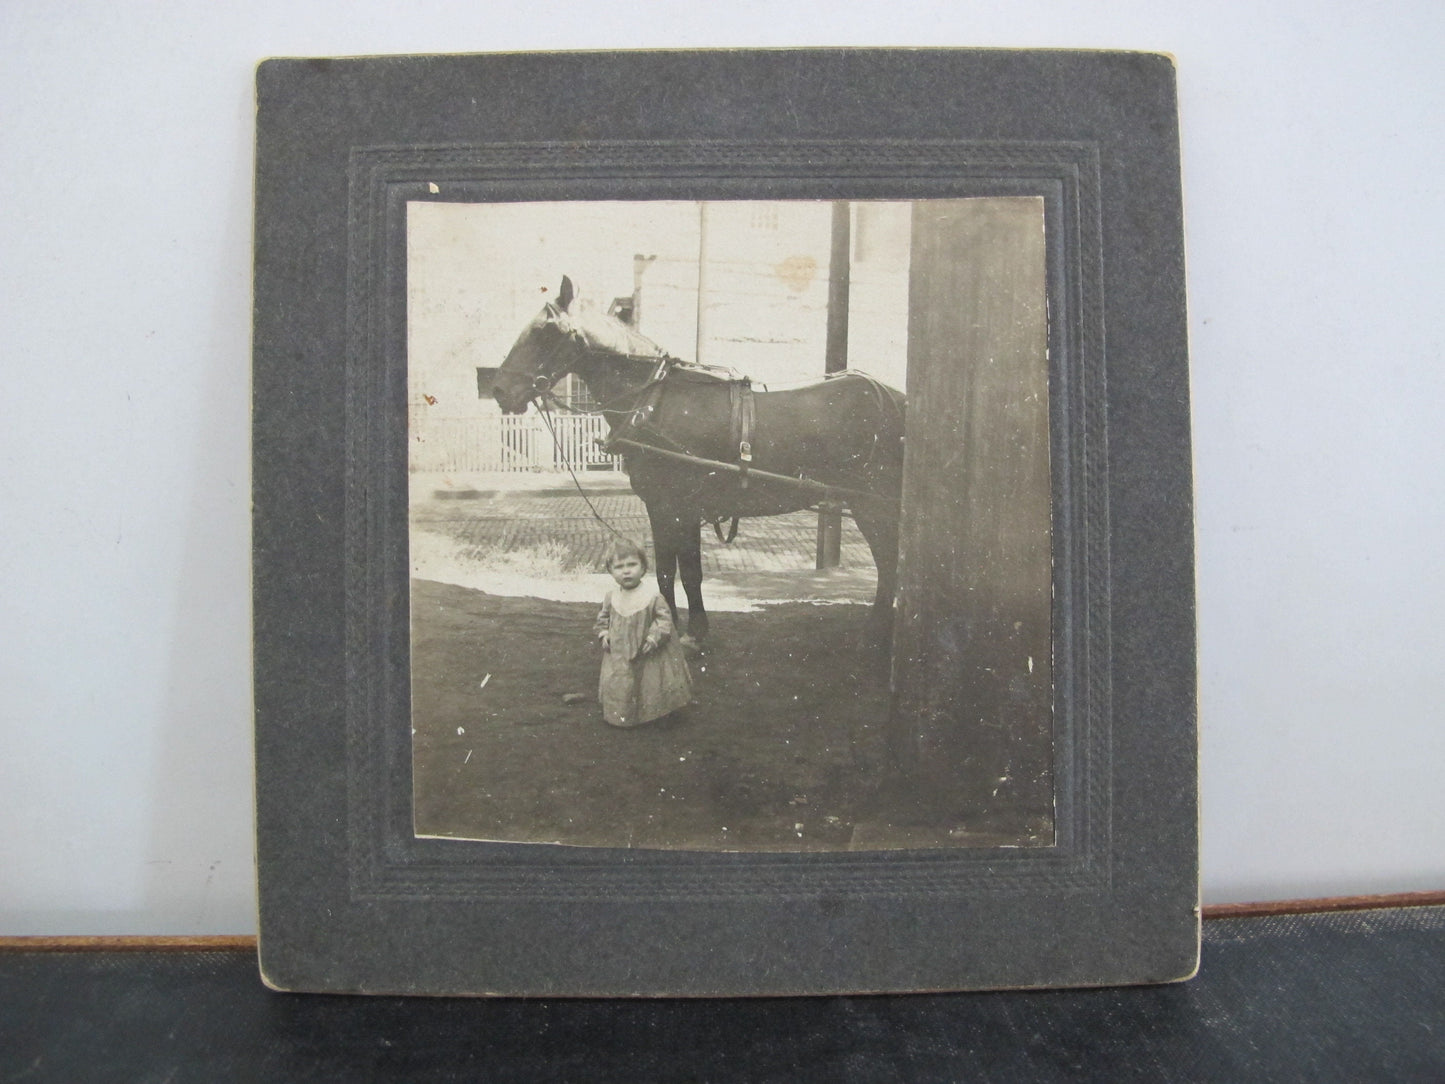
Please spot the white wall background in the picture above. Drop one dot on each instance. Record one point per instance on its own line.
(1313, 159)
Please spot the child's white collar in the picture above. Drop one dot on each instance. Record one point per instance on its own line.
(629, 602)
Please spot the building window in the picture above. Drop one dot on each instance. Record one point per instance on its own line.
(764, 217)
(572, 390)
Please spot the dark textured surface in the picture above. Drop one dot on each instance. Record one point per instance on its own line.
(1352, 996)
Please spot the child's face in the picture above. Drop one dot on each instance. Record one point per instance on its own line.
(627, 571)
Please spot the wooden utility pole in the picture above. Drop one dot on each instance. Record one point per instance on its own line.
(702, 284)
(972, 724)
(835, 360)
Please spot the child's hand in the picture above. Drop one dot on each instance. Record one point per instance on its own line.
(649, 645)
(606, 641)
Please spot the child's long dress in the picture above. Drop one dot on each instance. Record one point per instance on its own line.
(637, 688)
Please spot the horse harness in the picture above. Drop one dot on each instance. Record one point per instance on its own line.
(740, 400)
(742, 415)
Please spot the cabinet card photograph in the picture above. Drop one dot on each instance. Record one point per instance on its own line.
(729, 524)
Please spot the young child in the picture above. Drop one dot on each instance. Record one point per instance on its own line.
(644, 674)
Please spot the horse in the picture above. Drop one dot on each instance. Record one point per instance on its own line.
(700, 446)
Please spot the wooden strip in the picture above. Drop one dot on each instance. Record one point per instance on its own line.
(206, 943)
(1323, 904)
(247, 943)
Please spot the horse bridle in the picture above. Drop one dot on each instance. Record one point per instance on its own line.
(543, 382)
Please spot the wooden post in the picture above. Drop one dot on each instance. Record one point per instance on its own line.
(702, 283)
(835, 360)
(972, 725)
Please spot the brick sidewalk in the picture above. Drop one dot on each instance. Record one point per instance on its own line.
(512, 519)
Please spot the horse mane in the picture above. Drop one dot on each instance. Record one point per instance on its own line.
(606, 333)
(603, 332)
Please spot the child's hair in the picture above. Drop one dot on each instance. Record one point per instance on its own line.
(626, 548)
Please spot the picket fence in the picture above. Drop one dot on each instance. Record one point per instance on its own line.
(507, 442)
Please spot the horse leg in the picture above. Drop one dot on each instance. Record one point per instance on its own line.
(689, 567)
(664, 554)
(880, 529)
(677, 543)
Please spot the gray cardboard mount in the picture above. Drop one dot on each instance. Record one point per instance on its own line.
(351, 900)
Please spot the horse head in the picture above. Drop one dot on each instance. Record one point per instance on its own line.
(539, 357)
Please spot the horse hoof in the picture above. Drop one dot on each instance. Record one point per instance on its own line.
(691, 644)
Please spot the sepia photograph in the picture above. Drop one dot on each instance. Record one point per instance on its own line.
(730, 524)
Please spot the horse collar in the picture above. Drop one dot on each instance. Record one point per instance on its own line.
(641, 415)
(652, 394)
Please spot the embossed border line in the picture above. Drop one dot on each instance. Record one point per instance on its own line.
(384, 859)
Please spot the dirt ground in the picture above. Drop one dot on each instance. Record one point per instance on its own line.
(782, 749)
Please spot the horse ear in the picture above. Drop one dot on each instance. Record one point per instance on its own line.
(564, 294)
